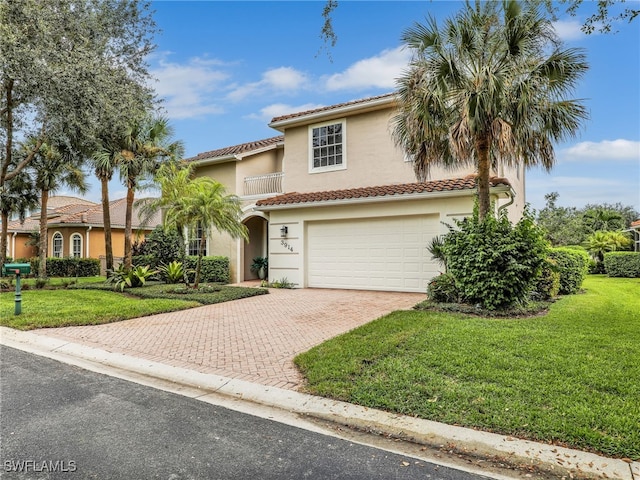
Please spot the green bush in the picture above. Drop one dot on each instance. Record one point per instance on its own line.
(622, 264)
(71, 267)
(493, 261)
(213, 270)
(547, 285)
(159, 247)
(572, 266)
(442, 289)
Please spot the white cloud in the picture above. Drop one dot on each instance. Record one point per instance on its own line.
(619, 149)
(188, 89)
(277, 109)
(568, 29)
(379, 71)
(280, 79)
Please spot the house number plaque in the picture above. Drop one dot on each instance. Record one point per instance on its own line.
(286, 245)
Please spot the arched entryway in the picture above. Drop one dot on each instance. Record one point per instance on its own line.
(257, 226)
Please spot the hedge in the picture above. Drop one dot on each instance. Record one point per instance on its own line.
(622, 264)
(213, 270)
(572, 265)
(65, 267)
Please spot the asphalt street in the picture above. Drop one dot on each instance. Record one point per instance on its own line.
(59, 421)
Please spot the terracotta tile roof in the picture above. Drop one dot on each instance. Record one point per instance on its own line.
(238, 149)
(85, 214)
(57, 201)
(452, 184)
(636, 223)
(330, 107)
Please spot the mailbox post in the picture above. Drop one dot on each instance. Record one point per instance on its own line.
(17, 269)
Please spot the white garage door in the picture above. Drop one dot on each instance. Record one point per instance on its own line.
(372, 254)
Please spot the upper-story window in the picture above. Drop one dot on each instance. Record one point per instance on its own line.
(326, 149)
(76, 245)
(57, 245)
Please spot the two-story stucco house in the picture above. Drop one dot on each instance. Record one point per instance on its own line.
(334, 203)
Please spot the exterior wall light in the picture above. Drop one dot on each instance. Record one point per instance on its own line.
(284, 230)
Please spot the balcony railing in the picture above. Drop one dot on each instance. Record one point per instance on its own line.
(263, 184)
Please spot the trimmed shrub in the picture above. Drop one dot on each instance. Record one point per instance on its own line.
(547, 285)
(622, 264)
(493, 261)
(442, 289)
(214, 269)
(72, 267)
(572, 266)
(159, 247)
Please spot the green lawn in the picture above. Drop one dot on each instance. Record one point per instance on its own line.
(571, 377)
(92, 303)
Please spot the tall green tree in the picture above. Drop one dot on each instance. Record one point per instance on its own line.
(146, 144)
(489, 87)
(69, 71)
(54, 167)
(205, 204)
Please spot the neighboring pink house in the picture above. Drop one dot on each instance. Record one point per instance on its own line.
(334, 203)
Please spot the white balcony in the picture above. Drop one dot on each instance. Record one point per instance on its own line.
(263, 184)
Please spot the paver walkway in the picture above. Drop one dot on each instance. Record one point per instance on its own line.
(253, 339)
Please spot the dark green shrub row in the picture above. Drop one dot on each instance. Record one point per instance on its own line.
(214, 269)
(72, 267)
(204, 295)
(495, 263)
(622, 264)
(572, 265)
(65, 267)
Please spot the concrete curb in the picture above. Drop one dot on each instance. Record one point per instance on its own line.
(551, 458)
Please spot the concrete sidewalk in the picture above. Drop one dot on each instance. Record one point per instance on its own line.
(244, 350)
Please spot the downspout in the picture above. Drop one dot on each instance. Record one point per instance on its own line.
(512, 196)
(86, 250)
(13, 245)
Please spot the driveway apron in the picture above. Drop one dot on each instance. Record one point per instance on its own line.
(253, 339)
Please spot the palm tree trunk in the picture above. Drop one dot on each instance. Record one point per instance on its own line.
(42, 268)
(484, 170)
(3, 239)
(106, 220)
(127, 229)
(203, 244)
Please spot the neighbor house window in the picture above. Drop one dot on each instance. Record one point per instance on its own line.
(327, 142)
(76, 245)
(57, 245)
(194, 241)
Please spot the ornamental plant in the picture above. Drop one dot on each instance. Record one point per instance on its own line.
(494, 262)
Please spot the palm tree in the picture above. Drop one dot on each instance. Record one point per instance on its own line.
(488, 87)
(104, 162)
(17, 197)
(146, 143)
(53, 166)
(205, 204)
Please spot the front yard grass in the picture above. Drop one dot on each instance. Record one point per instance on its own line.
(91, 303)
(571, 377)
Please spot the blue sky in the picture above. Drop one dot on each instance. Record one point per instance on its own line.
(225, 69)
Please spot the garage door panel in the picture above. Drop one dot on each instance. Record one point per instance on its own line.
(374, 254)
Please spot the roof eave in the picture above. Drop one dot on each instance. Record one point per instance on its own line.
(500, 189)
(312, 117)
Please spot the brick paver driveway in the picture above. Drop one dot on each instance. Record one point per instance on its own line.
(253, 339)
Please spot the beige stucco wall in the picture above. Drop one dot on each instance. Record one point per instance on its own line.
(372, 159)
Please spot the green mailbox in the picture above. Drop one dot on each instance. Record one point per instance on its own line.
(16, 268)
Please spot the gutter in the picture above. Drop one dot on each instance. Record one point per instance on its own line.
(387, 198)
